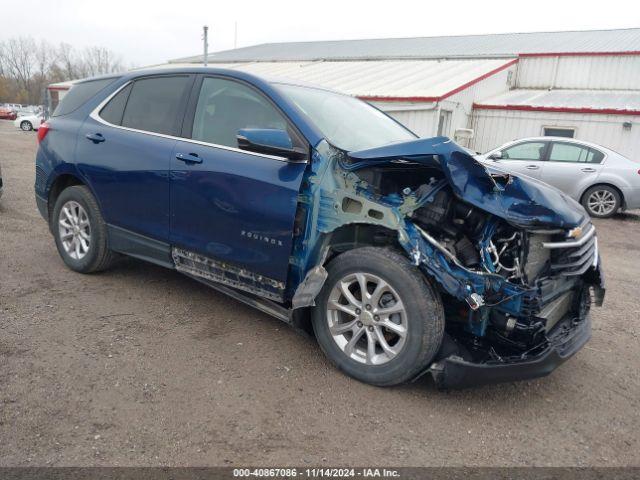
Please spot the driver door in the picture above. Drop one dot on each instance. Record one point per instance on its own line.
(233, 209)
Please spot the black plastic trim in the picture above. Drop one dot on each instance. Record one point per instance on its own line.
(135, 245)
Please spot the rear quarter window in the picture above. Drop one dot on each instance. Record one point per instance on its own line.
(80, 94)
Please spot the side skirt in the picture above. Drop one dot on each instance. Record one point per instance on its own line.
(135, 245)
(198, 265)
(217, 275)
(262, 304)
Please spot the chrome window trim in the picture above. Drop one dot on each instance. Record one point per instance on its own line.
(95, 115)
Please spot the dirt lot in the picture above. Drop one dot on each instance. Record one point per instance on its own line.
(142, 366)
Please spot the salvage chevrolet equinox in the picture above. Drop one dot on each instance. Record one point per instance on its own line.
(404, 256)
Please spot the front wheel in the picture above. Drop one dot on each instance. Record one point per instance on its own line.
(601, 201)
(377, 319)
(26, 126)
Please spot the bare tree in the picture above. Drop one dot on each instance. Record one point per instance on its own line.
(20, 61)
(99, 61)
(27, 66)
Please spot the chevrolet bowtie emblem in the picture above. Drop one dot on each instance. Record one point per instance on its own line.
(576, 232)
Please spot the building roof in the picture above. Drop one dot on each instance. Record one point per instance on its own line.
(420, 81)
(616, 102)
(493, 45)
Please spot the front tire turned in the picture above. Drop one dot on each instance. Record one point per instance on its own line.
(377, 318)
(80, 231)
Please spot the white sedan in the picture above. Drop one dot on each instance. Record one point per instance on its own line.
(602, 180)
(28, 122)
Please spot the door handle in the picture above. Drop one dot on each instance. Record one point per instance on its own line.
(532, 167)
(188, 158)
(588, 170)
(95, 137)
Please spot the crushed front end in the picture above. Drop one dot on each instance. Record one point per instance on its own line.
(516, 261)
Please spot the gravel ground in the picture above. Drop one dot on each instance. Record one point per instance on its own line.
(142, 366)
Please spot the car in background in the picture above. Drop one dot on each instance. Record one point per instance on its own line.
(602, 180)
(7, 113)
(29, 122)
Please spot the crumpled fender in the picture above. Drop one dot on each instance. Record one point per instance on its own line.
(522, 201)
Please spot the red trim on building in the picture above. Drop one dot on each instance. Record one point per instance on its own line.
(581, 54)
(373, 98)
(58, 88)
(533, 108)
(479, 79)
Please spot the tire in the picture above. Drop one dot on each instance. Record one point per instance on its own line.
(421, 317)
(26, 126)
(79, 201)
(601, 201)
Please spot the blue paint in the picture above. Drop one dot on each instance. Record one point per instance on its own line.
(521, 201)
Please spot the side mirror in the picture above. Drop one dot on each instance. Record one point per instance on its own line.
(496, 156)
(270, 141)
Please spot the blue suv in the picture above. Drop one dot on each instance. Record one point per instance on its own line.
(402, 255)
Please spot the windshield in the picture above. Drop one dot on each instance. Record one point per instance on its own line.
(346, 122)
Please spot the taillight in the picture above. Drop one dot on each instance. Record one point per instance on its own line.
(42, 131)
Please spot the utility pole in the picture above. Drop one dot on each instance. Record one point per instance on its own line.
(205, 38)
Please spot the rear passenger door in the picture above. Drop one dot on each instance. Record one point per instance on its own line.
(526, 158)
(233, 209)
(124, 150)
(572, 167)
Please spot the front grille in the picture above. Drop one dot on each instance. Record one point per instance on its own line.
(574, 256)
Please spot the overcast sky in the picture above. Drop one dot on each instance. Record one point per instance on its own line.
(145, 32)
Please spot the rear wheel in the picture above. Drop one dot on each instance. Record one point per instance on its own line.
(26, 126)
(80, 231)
(377, 319)
(601, 201)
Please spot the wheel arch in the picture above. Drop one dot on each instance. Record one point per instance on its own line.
(343, 239)
(61, 181)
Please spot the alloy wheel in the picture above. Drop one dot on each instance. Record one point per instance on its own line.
(601, 202)
(74, 230)
(367, 318)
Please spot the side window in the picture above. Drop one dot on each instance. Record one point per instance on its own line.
(112, 112)
(155, 103)
(226, 106)
(524, 151)
(566, 152)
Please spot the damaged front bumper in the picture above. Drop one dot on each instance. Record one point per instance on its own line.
(564, 340)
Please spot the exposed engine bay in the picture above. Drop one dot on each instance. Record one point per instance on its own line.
(513, 278)
(483, 243)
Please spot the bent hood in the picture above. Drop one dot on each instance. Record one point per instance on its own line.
(522, 201)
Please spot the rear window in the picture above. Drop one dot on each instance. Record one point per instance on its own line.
(79, 94)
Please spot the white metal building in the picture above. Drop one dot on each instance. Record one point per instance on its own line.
(583, 84)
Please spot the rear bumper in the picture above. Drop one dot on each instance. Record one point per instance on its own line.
(566, 338)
